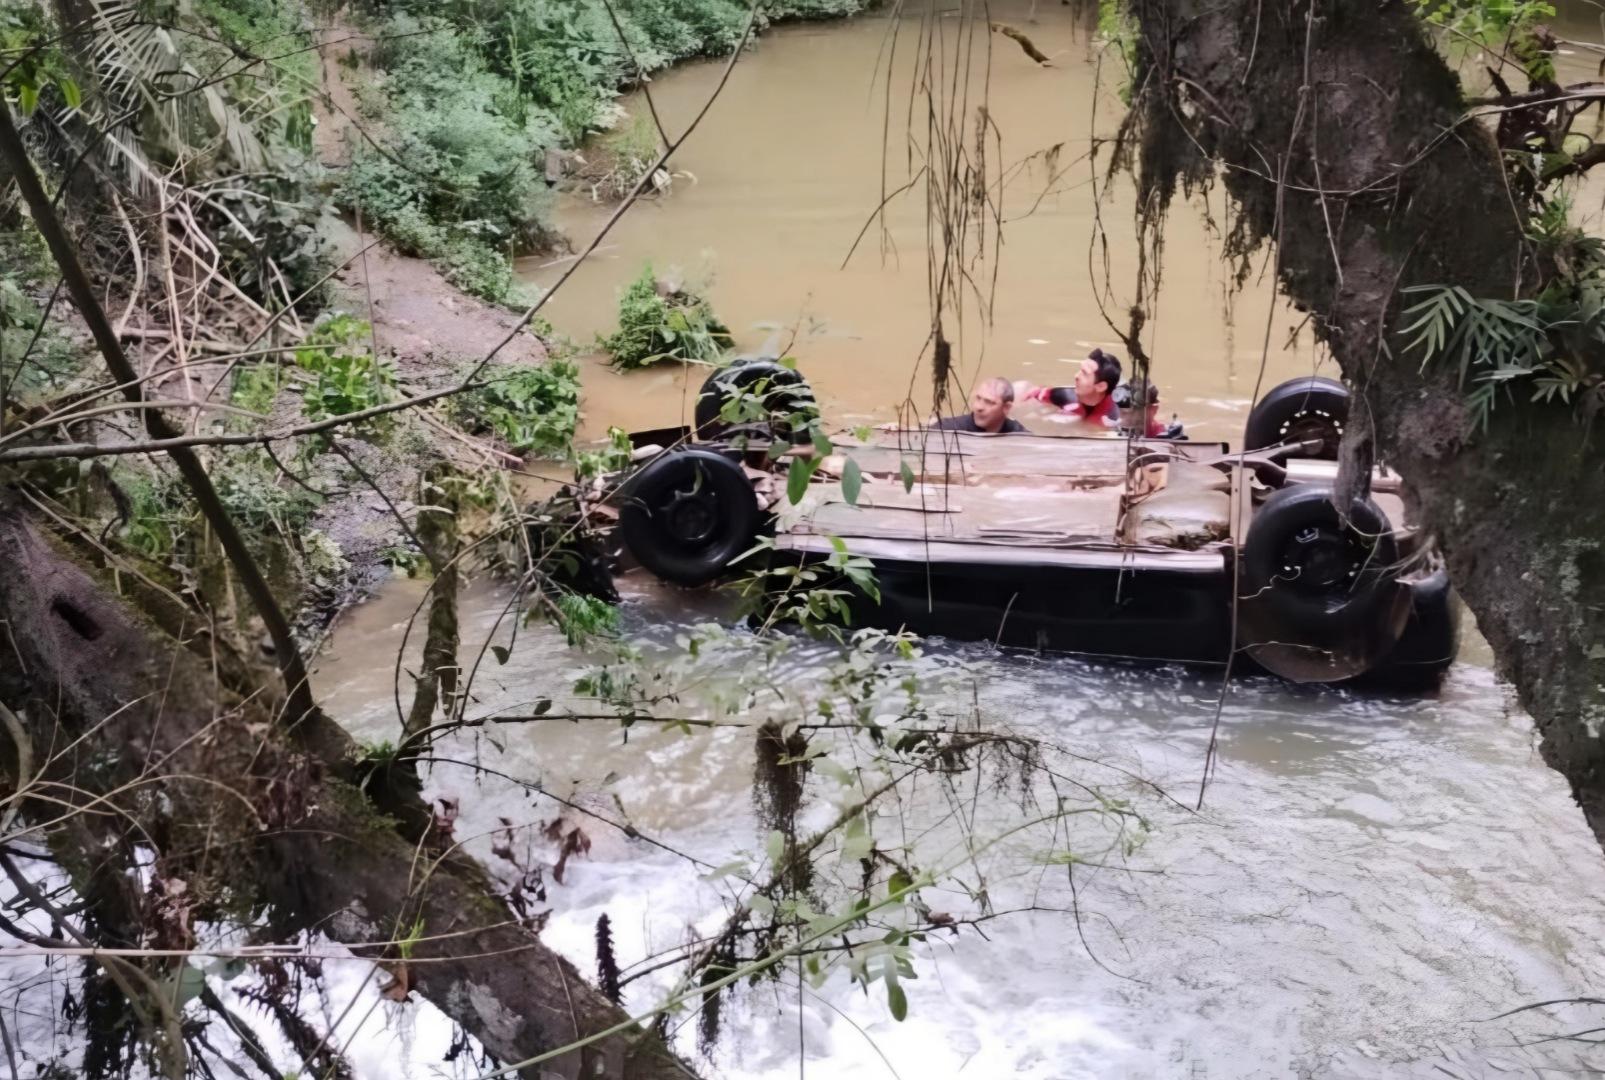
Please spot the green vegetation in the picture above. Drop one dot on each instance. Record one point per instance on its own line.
(1116, 26)
(256, 387)
(34, 359)
(1553, 342)
(457, 180)
(348, 377)
(36, 72)
(249, 486)
(472, 93)
(582, 618)
(531, 409)
(657, 324)
(1484, 19)
(1512, 25)
(610, 458)
(621, 158)
(160, 523)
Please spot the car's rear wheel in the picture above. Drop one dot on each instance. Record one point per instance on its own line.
(1318, 589)
(687, 514)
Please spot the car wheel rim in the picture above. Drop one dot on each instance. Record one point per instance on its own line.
(1310, 424)
(1322, 561)
(692, 517)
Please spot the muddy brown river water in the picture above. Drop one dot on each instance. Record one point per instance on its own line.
(1372, 879)
(784, 172)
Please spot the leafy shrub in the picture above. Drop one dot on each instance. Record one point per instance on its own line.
(478, 269)
(349, 379)
(154, 519)
(683, 28)
(470, 111)
(533, 409)
(411, 232)
(35, 67)
(32, 361)
(582, 618)
(610, 458)
(256, 387)
(457, 180)
(248, 485)
(654, 326)
(278, 33)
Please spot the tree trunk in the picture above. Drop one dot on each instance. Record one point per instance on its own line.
(247, 817)
(1385, 186)
(436, 683)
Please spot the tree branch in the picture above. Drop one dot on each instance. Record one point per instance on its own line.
(297, 687)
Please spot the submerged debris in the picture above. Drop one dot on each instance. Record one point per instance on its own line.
(607, 966)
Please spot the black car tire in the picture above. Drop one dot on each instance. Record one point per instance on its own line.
(687, 513)
(1310, 407)
(1314, 579)
(785, 391)
(1306, 563)
(1431, 638)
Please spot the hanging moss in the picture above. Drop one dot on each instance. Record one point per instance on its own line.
(777, 792)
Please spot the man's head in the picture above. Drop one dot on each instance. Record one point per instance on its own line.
(1099, 374)
(990, 404)
(1140, 408)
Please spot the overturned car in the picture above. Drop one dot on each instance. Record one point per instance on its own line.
(1158, 550)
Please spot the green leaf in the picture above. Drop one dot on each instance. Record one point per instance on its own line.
(797, 477)
(898, 1002)
(822, 444)
(852, 482)
(856, 847)
(908, 475)
(70, 93)
(775, 845)
(834, 771)
(27, 98)
(899, 882)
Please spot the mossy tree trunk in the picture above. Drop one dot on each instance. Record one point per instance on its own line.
(252, 819)
(1341, 135)
(436, 684)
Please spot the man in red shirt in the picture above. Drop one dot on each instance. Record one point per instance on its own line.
(1090, 397)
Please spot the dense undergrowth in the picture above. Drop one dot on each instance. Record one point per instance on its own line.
(659, 321)
(245, 263)
(467, 96)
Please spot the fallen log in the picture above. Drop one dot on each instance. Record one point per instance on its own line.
(173, 747)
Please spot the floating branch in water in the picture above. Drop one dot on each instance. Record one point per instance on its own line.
(1025, 43)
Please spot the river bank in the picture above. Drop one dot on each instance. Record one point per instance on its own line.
(1372, 879)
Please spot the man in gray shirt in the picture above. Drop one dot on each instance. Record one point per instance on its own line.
(989, 411)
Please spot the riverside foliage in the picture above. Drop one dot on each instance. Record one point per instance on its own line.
(470, 94)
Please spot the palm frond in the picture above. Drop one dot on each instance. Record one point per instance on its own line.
(153, 100)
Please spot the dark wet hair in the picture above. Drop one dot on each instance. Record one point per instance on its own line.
(1108, 368)
(1126, 395)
